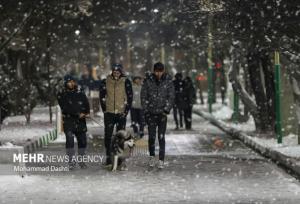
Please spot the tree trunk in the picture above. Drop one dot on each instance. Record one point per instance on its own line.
(248, 90)
(27, 116)
(47, 62)
(214, 85)
(259, 92)
(296, 90)
(270, 88)
(238, 88)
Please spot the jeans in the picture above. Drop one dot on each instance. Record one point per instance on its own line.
(110, 121)
(177, 111)
(157, 123)
(81, 142)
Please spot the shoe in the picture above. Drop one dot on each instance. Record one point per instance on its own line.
(161, 164)
(108, 161)
(141, 135)
(152, 161)
(82, 165)
(124, 168)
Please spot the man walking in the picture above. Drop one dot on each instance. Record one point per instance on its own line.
(116, 100)
(179, 103)
(137, 113)
(189, 98)
(157, 97)
(75, 108)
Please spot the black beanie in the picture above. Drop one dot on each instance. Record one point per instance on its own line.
(117, 67)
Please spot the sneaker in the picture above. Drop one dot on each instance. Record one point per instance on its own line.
(108, 161)
(82, 165)
(152, 161)
(124, 167)
(161, 164)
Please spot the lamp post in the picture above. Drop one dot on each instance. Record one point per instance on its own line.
(209, 62)
(277, 98)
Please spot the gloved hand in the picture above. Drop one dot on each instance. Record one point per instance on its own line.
(83, 115)
(124, 115)
(166, 113)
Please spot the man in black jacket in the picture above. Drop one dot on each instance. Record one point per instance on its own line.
(189, 98)
(178, 105)
(115, 99)
(75, 108)
(157, 97)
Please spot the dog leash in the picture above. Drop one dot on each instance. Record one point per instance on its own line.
(93, 119)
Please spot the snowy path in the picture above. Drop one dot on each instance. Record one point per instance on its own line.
(197, 172)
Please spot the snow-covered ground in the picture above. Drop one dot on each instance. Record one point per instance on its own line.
(289, 147)
(195, 173)
(15, 130)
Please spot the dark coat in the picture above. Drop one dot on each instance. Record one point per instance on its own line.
(72, 103)
(157, 96)
(189, 94)
(129, 94)
(179, 86)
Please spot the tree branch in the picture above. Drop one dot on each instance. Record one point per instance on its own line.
(21, 25)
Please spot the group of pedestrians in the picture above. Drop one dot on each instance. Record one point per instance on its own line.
(185, 98)
(149, 100)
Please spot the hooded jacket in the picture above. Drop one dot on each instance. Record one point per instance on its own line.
(157, 96)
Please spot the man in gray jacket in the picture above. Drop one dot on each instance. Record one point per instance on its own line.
(157, 97)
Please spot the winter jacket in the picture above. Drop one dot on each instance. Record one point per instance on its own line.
(179, 86)
(157, 96)
(116, 95)
(189, 94)
(72, 103)
(136, 102)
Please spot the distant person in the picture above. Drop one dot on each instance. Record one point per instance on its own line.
(157, 97)
(86, 81)
(115, 100)
(189, 98)
(75, 109)
(137, 113)
(178, 105)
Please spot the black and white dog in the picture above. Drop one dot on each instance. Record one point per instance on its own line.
(121, 147)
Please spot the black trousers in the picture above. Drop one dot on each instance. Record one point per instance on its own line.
(137, 119)
(177, 111)
(110, 121)
(157, 123)
(81, 142)
(188, 118)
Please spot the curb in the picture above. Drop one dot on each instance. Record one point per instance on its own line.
(290, 163)
(40, 142)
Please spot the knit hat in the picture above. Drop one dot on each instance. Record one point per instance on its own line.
(68, 78)
(117, 67)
